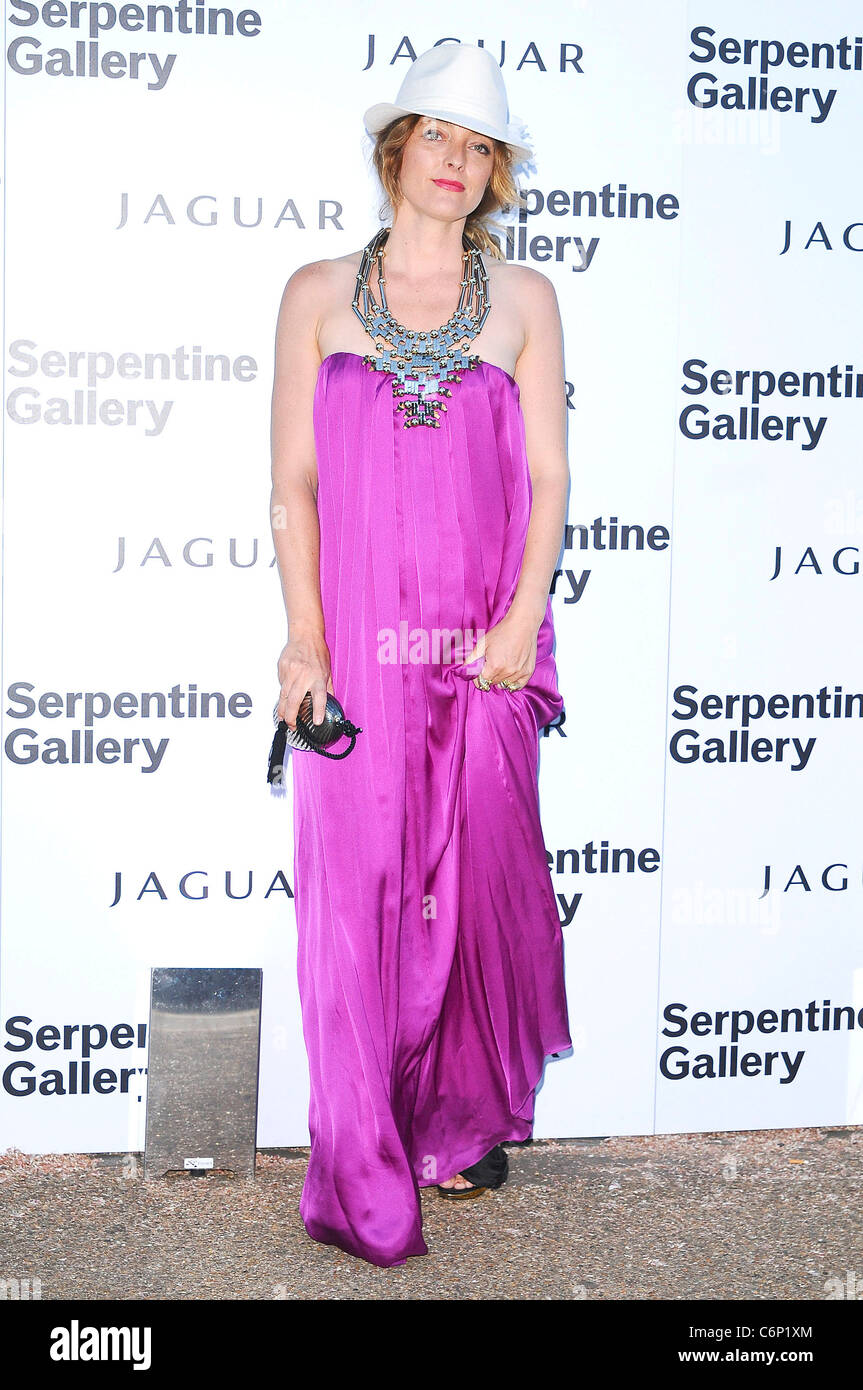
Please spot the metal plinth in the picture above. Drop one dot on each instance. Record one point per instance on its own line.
(202, 1074)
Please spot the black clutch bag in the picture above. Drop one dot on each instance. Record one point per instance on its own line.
(315, 738)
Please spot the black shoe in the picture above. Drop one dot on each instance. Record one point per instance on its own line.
(487, 1175)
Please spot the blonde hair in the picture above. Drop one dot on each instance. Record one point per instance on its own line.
(502, 194)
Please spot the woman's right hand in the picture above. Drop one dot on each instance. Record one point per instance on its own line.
(304, 664)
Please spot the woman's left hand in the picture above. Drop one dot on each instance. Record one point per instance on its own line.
(510, 653)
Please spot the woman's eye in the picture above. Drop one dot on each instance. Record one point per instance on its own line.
(439, 134)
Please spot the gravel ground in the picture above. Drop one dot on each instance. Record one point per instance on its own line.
(764, 1214)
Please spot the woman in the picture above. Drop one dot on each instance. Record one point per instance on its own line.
(419, 494)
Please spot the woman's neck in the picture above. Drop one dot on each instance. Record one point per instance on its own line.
(422, 248)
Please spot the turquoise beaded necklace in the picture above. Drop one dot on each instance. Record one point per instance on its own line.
(422, 362)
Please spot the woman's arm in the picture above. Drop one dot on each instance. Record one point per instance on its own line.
(540, 376)
(304, 663)
(510, 646)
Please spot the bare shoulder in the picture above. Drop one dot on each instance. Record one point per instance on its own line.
(317, 280)
(308, 282)
(519, 282)
(539, 371)
(327, 272)
(526, 288)
(313, 288)
(528, 295)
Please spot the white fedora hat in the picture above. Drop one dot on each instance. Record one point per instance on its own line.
(456, 82)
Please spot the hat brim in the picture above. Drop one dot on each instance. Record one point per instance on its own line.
(380, 115)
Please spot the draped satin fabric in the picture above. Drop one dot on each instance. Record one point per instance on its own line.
(430, 953)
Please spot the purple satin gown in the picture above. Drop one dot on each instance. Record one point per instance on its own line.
(430, 953)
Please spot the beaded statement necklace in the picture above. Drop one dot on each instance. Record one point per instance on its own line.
(422, 362)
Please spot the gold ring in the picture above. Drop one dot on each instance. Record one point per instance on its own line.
(506, 685)
(483, 684)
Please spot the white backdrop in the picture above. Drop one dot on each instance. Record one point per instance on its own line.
(160, 214)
